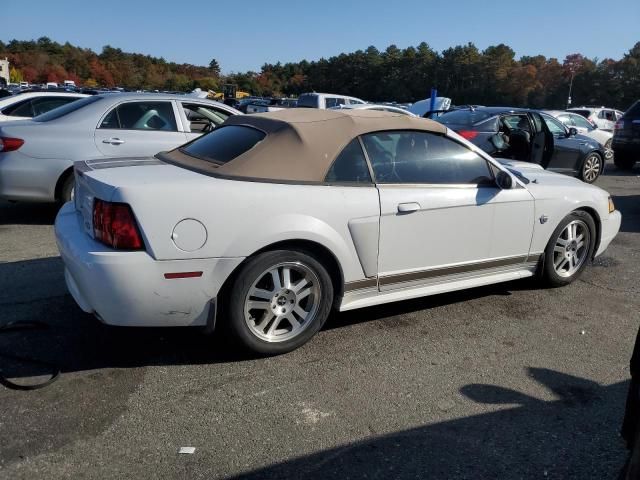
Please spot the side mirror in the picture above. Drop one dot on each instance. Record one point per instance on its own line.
(572, 131)
(504, 180)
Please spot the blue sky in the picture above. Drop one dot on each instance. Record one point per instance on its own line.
(285, 30)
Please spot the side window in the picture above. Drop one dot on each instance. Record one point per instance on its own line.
(353, 101)
(517, 122)
(609, 115)
(579, 121)
(340, 101)
(537, 121)
(421, 157)
(350, 166)
(566, 119)
(141, 116)
(20, 109)
(554, 126)
(203, 118)
(330, 102)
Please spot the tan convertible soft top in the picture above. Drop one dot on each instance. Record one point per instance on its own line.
(301, 143)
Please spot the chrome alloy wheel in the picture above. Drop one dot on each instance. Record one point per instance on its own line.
(571, 248)
(591, 168)
(282, 302)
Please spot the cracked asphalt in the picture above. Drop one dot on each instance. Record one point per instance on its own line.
(508, 381)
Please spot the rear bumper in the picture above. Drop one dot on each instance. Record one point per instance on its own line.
(129, 288)
(610, 228)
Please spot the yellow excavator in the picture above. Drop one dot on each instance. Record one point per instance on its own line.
(229, 90)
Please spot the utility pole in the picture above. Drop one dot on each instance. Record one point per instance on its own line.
(570, 86)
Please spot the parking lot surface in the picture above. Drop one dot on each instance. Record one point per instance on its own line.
(507, 381)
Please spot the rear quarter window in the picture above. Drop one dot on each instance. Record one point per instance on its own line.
(224, 143)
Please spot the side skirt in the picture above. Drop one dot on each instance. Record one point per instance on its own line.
(370, 296)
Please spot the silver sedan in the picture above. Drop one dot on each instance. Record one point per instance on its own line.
(36, 156)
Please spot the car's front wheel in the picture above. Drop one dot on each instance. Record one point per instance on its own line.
(278, 301)
(591, 168)
(569, 249)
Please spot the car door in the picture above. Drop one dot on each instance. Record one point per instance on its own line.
(566, 152)
(200, 118)
(441, 214)
(139, 128)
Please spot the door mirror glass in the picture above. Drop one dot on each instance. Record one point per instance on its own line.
(504, 180)
(573, 131)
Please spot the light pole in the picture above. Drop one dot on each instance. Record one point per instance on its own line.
(570, 86)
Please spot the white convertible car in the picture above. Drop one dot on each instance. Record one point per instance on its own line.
(263, 225)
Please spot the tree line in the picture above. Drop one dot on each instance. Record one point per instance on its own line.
(464, 73)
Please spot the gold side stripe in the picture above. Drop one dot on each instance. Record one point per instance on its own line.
(360, 284)
(441, 272)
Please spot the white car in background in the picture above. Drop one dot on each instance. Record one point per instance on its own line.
(586, 128)
(265, 224)
(37, 155)
(30, 104)
(326, 100)
(602, 117)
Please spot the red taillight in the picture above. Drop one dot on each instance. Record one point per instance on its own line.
(115, 226)
(619, 125)
(468, 134)
(10, 144)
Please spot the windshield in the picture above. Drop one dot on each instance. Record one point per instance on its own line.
(65, 109)
(464, 117)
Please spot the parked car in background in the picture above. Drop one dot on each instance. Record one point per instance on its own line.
(375, 107)
(326, 100)
(602, 117)
(37, 155)
(271, 105)
(529, 136)
(626, 138)
(166, 241)
(586, 128)
(30, 104)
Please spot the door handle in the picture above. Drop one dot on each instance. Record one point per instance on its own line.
(408, 207)
(113, 141)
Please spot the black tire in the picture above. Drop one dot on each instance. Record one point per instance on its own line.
(608, 151)
(255, 270)
(592, 167)
(550, 275)
(623, 161)
(66, 189)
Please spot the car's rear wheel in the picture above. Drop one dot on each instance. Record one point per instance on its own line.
(569, 249)
(608, 151)
(624, 161)
(278, 301)
(591, 168)
(67, 189)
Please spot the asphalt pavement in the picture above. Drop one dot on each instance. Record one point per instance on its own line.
(508, 381)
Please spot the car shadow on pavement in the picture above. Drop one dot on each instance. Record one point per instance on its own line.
(629, 205)
(573, 436)
(28, 213)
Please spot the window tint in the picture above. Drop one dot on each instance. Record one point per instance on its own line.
(45, 104)
(67, 109)
(202, 118)
(20, 109)
(420, 157)
(141, 116)
(330, 102)
(308, 100)
(224, 143)
(350, 166)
